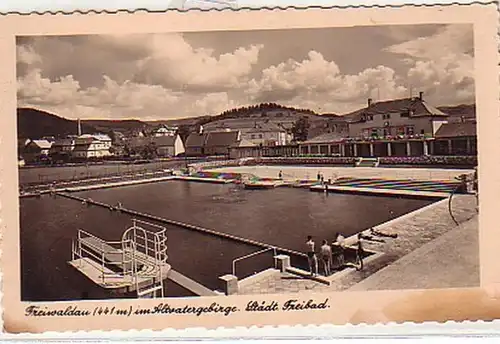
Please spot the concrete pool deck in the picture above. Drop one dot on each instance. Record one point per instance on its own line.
(427, 239)
(310, 172)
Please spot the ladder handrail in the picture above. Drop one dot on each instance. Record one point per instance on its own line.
(251, 255)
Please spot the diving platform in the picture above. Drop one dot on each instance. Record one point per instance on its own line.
(136, 263)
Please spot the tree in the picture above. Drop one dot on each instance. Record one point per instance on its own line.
(300, 129)
(183, 131)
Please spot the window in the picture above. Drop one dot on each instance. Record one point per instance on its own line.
(260, 136)
(369, 117)
(252, 136)
(410, 130)
(401, 131)
(387, 132)
(374, 132)
(386, 116)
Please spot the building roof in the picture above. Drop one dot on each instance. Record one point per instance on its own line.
(196, 140)
(224, 138)
(43, 144)
(448, 130)
(325, 138)
(416, 106)
(138, 141)
(164, 140)
(91, 137)
(63, 142)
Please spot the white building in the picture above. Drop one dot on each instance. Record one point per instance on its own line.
(266, 134)
(165, 131)
(36, 150)
(92, 146)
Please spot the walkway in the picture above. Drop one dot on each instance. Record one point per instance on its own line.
(450, 261)
(310, 172)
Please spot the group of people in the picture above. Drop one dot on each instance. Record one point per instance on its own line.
(332, 256)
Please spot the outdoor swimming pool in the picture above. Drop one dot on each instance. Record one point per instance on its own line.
(281, 217)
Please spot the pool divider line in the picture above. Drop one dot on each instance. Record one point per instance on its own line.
(183, 225)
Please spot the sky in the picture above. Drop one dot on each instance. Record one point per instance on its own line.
(179, 75)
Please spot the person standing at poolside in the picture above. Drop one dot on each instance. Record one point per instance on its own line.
(280, 175)
(340, 245)
(359, 252)
(311, 256)
(326, 258)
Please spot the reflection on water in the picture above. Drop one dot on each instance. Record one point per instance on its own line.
(281, 217)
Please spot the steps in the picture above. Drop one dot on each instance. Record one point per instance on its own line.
(412, 185)
(367, 162)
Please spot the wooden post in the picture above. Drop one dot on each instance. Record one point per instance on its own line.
(389, 149)
(355, 149)
(450, 147)
(426, 147)
(408, 148)
(372, 150)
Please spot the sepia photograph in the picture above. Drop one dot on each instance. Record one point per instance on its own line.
(247, 162)
(249, 168)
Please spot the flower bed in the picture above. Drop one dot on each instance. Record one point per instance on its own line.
(430, 160)
(302, 161)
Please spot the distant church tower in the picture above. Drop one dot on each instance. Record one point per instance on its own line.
(79, 127)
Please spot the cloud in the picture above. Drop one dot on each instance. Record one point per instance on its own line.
(441, 64)
(214, 103)
(319, 83)
(175, 75)
(173, 62)
(113, 100)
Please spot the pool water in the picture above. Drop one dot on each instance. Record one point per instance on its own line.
(282, 217)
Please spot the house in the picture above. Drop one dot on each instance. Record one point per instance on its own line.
(168, 145)
(165, 130)
(195, 144)
(162, 146)
(456, 139)
(266, 134)
(219, 143)
(400, 117)
(328, 123)
(244, 149)
(92, 146)
(62, 149)
(212, 143)
(36, 150)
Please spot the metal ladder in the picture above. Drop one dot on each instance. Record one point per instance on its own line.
(143, 246)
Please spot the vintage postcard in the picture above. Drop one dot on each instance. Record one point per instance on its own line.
(249, 168)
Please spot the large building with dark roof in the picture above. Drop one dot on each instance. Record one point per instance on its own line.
(401, 127)
(400, 117)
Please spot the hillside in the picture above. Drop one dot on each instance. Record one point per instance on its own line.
(33, 123)
(125, 126)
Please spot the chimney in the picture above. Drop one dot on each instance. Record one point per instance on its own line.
(79, 127)
(421, 95)
(370, 102)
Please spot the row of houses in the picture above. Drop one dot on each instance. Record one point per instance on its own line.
(78, 147)
(401, 127)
